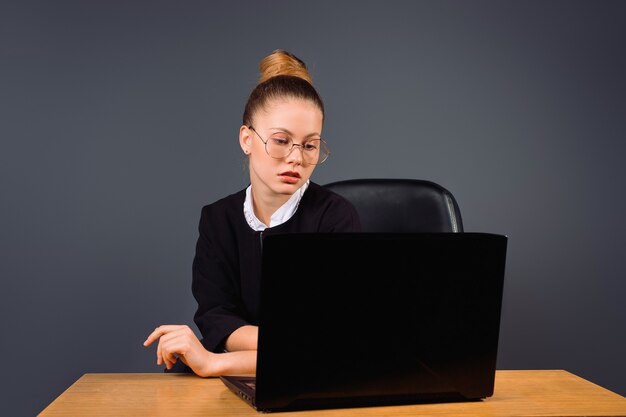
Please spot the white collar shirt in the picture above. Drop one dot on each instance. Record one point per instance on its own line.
(280, 216)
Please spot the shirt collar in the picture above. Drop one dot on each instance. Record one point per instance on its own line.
(280, 216)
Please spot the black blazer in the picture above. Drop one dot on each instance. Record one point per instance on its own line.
(227, 263)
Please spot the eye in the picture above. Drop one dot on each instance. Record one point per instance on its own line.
(281, 141)
(311, 146)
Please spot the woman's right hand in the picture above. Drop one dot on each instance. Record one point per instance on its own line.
(180, 342)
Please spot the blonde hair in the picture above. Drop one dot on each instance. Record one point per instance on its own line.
(283, 75)
(281, 62)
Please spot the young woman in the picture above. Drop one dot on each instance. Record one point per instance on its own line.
(281, 136)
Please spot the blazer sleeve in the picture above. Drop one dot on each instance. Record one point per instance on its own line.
(216, 290)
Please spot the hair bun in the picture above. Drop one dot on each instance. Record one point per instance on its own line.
(281, 62)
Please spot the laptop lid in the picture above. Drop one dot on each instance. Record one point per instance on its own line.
(357, 319)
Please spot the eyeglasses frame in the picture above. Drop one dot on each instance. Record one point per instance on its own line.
(293, 145)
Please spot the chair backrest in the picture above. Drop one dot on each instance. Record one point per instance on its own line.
(401, 205)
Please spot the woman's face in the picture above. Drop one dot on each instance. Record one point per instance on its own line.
(295, 119)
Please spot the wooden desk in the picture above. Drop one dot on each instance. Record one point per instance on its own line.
(517, 393)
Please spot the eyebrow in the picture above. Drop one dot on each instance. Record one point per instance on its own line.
(291, 133)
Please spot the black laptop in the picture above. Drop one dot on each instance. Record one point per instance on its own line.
(368, 319)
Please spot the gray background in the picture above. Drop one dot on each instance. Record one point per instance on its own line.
(119, 121)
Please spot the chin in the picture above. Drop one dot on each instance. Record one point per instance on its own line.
(286, 188)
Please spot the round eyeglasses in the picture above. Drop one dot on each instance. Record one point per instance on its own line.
(314, 151)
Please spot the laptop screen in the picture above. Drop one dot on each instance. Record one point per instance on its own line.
(378, 318)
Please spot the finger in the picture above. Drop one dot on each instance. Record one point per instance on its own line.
(174, 350)
(182, 358)
(167, 360)
(168, 364)
(156, 333)
(176, 341)
(183, 337)
(182, 332)
(161, 351)
(163, 355)
(158, 353)
(160, 331)
(170, 359)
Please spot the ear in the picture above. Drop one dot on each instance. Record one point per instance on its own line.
(245, 139)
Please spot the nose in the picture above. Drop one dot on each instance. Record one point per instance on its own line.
(295, 157)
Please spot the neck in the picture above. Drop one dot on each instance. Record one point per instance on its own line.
(264, 205)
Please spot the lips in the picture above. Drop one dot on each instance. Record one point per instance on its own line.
(292, 174)
(289, 177)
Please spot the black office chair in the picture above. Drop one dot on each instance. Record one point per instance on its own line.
(401, 205)
(390, 205)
